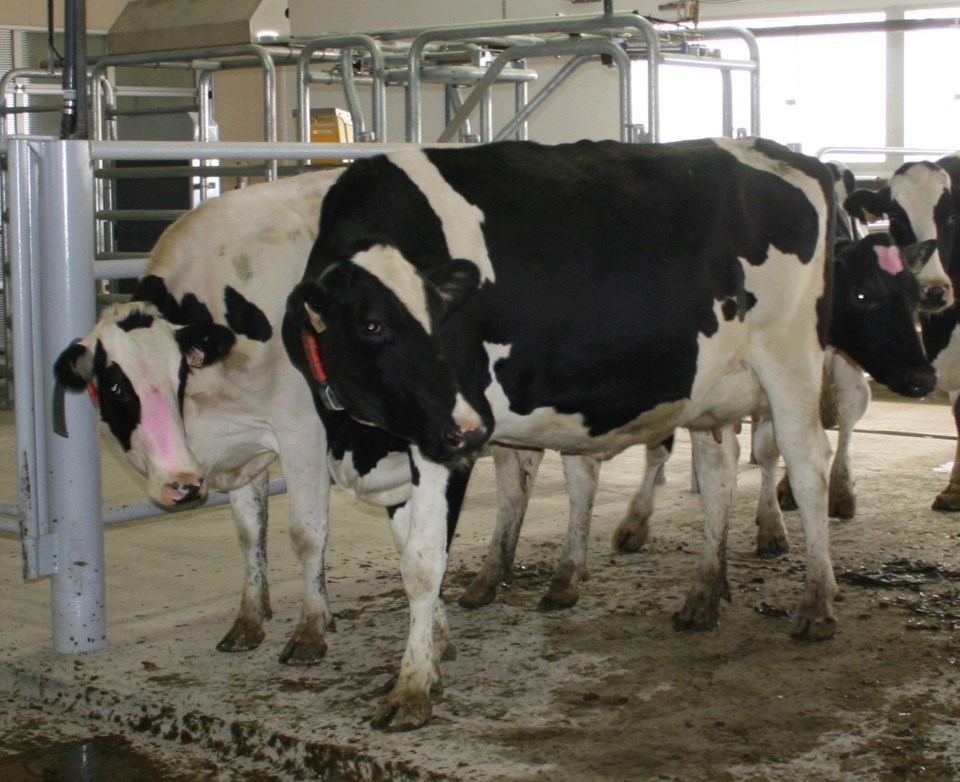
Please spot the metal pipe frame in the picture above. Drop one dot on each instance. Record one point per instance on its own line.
(347, 43)
(59, 485)
(621, 22)
(584, 50)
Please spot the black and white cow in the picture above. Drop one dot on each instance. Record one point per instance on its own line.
(193, 383)
(941, 330)
(871, 329)
(918, 204)
(922, 201)
(584, 298)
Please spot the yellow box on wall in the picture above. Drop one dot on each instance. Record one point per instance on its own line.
(330, 126)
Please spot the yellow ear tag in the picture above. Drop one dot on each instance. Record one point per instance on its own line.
(315, 320)
(195, 358)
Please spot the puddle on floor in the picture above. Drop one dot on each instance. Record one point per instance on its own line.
(98, 759)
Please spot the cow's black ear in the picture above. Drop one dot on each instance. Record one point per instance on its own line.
(456, 281)
(73, 369)
(868, 206)
(205, 344)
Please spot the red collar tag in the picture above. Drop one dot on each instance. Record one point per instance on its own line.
(312, 352)
(92, 392)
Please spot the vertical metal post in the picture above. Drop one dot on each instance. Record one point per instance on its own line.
(726, 79)
(72, 480)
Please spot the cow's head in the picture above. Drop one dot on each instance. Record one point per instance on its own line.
(875, 297)
(135, 364)
(918, 205)
(370, 326)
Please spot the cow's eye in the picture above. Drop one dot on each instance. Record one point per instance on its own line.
(371, 328)
(115, 389)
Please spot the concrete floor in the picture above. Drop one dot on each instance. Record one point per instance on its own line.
(173, 587)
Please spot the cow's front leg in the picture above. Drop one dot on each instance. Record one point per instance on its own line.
(249, 506)
(716, 468)
(632, 532)
(516, 470)
(435, 506)
(949, 498)
(308, 495)
(582, 474)
(771, 534)
(853, 396)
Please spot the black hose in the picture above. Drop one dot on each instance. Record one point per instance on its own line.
(74, 122)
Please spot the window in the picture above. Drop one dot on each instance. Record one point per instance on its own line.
(931, 100)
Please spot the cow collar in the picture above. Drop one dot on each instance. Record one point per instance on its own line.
(312, 351)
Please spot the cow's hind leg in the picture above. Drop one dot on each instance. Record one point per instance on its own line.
(771, 534)
(792, 386)
(632, 532)
(949, 498)
(853, 396)
(249, 505)
(516, 470)
(582, 474)
(716, 465)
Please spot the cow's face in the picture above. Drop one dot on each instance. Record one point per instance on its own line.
(372, 325)
(873, 319)
(134, 364)
(918, 206)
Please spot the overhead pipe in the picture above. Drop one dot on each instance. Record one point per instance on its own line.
(74, 122)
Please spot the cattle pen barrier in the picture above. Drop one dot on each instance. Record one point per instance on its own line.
(50, 204)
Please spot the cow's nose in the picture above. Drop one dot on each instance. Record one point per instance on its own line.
(185, 489)
(921, 381)
(935, 295)
(465, 439)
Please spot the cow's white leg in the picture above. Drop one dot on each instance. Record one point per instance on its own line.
(771, 534)
(436, 496)
(949, 498)
(582, 474)
(308, 498)
(516, 470)
(631, 534)
(853, 396)
(716, 464)
(792, 385)
(400, 526)
(249, 505)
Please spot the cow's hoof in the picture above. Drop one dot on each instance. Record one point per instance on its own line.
(771, 546)
(304, 648)
(697, 614)
(408, 711)
(814, 629)
(843, 507)
(480, 593)
(559, 599)
(243, 636)
(448, 651)
(948, 500)
(630, 539)
(785, 496)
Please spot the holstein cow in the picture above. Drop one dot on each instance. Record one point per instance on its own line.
(194, 385)
(941, 330)
(922, 201)
(583, 298)
(871, 329)
(918, 205)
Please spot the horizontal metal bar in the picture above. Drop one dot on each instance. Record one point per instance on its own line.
(234, 150)
(119, 270)
(140, 215)
(157, 111)
(119, 514)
